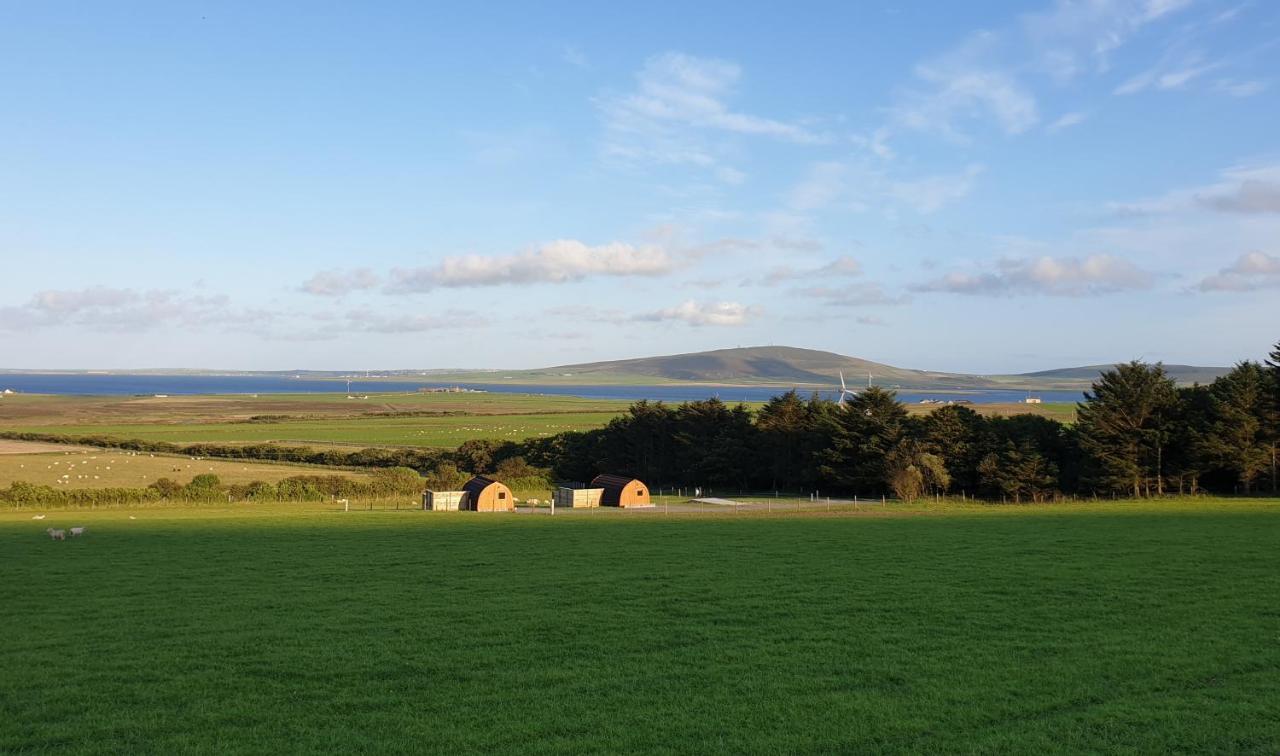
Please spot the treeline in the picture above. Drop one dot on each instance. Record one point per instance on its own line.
(1137, 434)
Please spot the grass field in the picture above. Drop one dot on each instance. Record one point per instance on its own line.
(302, 419)
(1071, 628)
(445, 432)
(97, 468)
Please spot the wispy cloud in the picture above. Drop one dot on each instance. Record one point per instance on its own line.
(374, 322)
(841, 267)
(849, 186)
(1252, 271)
(679, 100)
(1245, 189)
(703, 314)
(574, 57)
(1062, 276)
(1241, 89)
(338, 283)
(1065, 121)
(101, 308)
(554, 262)
(964, 85)
(930, 193)
(851, 295)
(1078, 36)
(1168, 75)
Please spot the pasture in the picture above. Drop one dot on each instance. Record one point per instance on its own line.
(99, 468)
(1116, 627)
(424, 420)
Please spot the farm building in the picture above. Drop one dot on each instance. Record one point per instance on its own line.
(443, 501)
(621, 491)
(487, 495)
(578, 497)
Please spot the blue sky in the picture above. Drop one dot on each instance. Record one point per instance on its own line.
(984, 187)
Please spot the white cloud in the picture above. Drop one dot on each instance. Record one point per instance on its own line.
(985, 78)
(372, 322)
(1062, 276)
(930, 193)
(692, 91)
(1075, 36)
(554, 262)
(703, 314)
(1240, 88)
(574, 57)
(337, 283)
(840, 267)
(100, 308)
(1066, 121)
(1255, 270)
(1244, 189)
(964, 87)
(851, 295)
(859, 188)
(679, 103)
(1168, 75)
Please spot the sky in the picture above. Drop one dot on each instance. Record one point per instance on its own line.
(981, 187)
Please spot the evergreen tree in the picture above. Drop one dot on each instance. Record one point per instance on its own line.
(785, 425)
(957, 435)
(1189, 456)
(1124, 425)
(1238, 437)
(862, 435)
(1273, 414)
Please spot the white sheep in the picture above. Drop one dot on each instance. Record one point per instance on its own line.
(38, 517)
(57, 535)
(77, 531)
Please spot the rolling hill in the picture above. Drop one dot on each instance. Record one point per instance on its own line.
(791, 366)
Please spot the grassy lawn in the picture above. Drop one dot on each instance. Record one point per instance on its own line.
(1071, 628)
(445, 432)
(97, 468)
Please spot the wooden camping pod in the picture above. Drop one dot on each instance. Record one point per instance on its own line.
(487, 495)
(621, 491)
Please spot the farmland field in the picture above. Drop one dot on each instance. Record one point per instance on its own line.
(429, 420)
(1130, 627)
(96, 468)
(426, 420)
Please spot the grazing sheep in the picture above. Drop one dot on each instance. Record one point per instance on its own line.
(57, 535)
(38, 517)
(77, 531)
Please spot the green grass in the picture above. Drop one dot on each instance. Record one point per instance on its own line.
(444, 432)
(1082, 628)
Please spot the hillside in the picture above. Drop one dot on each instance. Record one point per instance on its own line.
(1182, 374)
(782, 365)
(791, 366)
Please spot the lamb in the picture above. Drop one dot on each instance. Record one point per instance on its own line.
(57, 535)
(77, 531)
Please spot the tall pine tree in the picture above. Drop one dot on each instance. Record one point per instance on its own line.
(1125, 422)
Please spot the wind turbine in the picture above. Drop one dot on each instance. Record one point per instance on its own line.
(844, 391)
